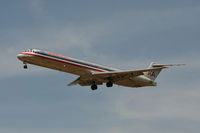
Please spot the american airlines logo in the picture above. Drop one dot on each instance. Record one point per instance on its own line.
(151, 73)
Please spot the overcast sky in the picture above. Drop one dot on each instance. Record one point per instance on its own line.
(126, 34)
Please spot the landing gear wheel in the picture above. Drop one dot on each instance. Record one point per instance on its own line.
(94, 87)
(109, 84)
(25, 66)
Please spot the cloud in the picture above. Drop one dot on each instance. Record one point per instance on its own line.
(37, 9)
(158, 103)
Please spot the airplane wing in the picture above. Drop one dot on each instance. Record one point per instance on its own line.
(131, 73)
(102, 77)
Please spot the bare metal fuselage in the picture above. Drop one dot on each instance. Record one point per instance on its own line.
(82, 68)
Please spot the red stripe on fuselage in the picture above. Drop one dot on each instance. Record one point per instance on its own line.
(77, 65)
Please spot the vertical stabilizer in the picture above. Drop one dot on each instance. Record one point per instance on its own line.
(152, 74)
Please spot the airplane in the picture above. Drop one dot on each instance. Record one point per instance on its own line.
(91, 74)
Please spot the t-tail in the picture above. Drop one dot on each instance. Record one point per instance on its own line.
(152, 74)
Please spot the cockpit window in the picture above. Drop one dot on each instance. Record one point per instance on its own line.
(29, 50)
(32, 50)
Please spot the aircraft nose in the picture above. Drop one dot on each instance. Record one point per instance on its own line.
(20, 56)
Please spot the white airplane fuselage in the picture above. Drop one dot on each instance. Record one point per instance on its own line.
(83, 69)
(61, 63)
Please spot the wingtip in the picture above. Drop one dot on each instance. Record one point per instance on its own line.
(75, 82)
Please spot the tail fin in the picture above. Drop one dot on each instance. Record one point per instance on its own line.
(154, 73)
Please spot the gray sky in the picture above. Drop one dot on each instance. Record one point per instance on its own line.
(125, 34)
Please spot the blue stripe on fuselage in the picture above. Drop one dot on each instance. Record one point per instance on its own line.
(74, 61)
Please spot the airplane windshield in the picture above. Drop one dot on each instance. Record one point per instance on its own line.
(29, 50)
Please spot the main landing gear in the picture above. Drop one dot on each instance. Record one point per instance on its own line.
(94, 87)
(108, 84)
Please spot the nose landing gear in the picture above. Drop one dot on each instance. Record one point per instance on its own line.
(25, 66)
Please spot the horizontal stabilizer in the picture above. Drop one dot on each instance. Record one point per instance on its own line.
(165, 65)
